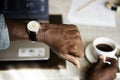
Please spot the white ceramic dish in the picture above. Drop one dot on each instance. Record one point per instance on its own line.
(89, 54)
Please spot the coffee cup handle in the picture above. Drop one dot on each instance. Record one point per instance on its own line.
(118, 56)
(104, 59)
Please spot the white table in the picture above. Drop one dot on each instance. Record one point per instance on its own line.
(88, 34)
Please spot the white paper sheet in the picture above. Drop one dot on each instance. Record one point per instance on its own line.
(95, 13)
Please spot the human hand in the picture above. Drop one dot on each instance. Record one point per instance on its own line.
(64, 40)
(103, 71)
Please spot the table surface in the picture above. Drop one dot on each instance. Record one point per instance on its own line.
(88, 34)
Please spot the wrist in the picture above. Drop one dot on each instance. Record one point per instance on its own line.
(33, 27)
(19, 35)
(41, 36)
(17, 30)
(42, 32)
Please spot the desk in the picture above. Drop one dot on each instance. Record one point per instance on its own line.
(88, 34)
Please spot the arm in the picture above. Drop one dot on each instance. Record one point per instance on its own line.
(64, 40)
(17, 30)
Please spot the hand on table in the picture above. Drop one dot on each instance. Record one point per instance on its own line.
(103, 71)
(64, 40)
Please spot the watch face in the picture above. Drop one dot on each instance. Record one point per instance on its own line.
(33, 26)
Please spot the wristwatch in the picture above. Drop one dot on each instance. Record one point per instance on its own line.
(33, 28)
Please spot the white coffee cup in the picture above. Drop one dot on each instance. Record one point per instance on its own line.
(104, 46)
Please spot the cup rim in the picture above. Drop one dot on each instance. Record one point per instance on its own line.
(106, 39)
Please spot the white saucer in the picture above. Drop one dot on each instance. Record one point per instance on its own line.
(89, 54)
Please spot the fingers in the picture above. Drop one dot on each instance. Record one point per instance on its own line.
(113, 61)
(76, 52)
(75, 47)
(100, 59)
(71, 59)
(100, 62)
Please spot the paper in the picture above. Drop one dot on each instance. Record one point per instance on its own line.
(92, 13)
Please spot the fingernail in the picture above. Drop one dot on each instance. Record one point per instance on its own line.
(78, 67)
(100, 56)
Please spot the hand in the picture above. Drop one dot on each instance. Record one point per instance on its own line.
(103, 71)
(64, 40)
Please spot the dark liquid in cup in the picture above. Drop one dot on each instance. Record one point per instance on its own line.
(104, 47)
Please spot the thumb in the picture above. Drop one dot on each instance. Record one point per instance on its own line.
(100, 62)
(100, 59)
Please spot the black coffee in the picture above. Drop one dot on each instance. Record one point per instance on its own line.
(104, 47)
